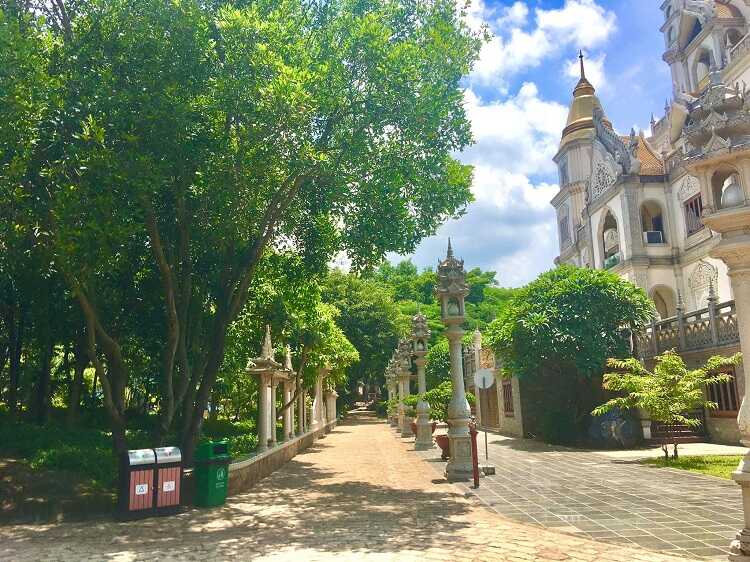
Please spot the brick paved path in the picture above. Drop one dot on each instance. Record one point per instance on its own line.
(359, 494)
(607, 499)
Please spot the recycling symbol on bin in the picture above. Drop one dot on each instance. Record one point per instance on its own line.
(221, 474)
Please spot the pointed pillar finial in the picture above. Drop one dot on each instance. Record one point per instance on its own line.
(583, 70)
(450, 248)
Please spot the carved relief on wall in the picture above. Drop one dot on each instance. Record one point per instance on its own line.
(700, 282)
(689, 187)
(611, 239)
(602, 179)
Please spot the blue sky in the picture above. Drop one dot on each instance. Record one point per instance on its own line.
(517, 99)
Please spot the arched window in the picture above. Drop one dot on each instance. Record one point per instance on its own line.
(665, 302)
(726, 186)
(702, 66)
(652, 222)
(610, 241)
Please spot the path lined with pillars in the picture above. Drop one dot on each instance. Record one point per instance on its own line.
(358, 494)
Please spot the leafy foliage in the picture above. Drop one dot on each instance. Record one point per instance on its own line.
(576, 317)
(667, 392)
(439, 398)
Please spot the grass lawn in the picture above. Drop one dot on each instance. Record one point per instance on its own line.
(721, 466)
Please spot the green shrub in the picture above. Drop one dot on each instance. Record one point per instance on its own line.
(439, 397)
(381, 409)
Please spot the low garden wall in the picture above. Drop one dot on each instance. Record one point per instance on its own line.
(245, 473)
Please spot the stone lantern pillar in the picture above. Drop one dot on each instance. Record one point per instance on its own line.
(452, 290)
(420, 334)
(263, 368)
(716, 128)
(288, 393)
(318, 420)
(404, 376)
(392, 384)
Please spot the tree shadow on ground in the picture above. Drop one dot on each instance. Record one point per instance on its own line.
(297, 508)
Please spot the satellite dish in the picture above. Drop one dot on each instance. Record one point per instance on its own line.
(484, 378)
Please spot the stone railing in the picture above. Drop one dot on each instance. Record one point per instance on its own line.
(742, 47)
(707, 328)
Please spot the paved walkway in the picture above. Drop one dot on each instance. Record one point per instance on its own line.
(610, 497)
(358, 494)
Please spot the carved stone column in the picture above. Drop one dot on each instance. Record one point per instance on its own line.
(734, 250)
(317, 409)
(263, 368)
(272, 410)
(289, 412)
(419, 334)
(264, 404)
(404, 376)
(452, 290)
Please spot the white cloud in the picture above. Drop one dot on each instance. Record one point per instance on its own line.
(519, 135)
(511, 226)
(577, 24)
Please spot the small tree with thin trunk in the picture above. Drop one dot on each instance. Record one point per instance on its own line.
(668, 392)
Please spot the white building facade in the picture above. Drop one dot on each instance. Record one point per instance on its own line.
(632, 204)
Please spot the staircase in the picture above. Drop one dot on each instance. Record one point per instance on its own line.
(662, 433)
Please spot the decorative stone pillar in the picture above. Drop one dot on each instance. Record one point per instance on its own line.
(272, 409)
(288, 393)
(719, 144)
(263, 368)
(452, 290)
(301, 413)
(331, 405)
(318, 415)
(264, 402)
(420, 334)
(734, 250)
(392, 383)
(404, 375)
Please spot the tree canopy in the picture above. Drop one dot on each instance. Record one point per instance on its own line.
(168, 162)
(570, 318)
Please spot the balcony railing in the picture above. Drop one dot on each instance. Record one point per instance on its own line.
(742, 47)
(710, 327)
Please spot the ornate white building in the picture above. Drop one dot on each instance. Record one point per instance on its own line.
(633, 204)
(627, 203)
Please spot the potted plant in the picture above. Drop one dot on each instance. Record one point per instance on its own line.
(411, 410)
(438, 398)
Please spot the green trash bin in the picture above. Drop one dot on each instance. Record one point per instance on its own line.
(211, 473)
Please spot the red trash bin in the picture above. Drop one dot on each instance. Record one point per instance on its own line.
(135, 497)
(168, 479)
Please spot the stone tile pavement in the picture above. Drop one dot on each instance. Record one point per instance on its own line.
(610, 498)
(358, 494)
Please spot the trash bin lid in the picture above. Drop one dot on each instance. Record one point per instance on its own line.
(168, 454)
(211, 449)
(141, 456)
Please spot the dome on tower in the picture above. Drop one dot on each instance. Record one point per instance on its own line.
(580, 123)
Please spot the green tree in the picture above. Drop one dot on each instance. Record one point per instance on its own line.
(667, 392)
(558, 331)
(369, 317)
(438, 364)
(189, 140)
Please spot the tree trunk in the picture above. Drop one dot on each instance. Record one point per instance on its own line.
(16, 327)
(675, 456)
(76, 386)
(40, 405)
